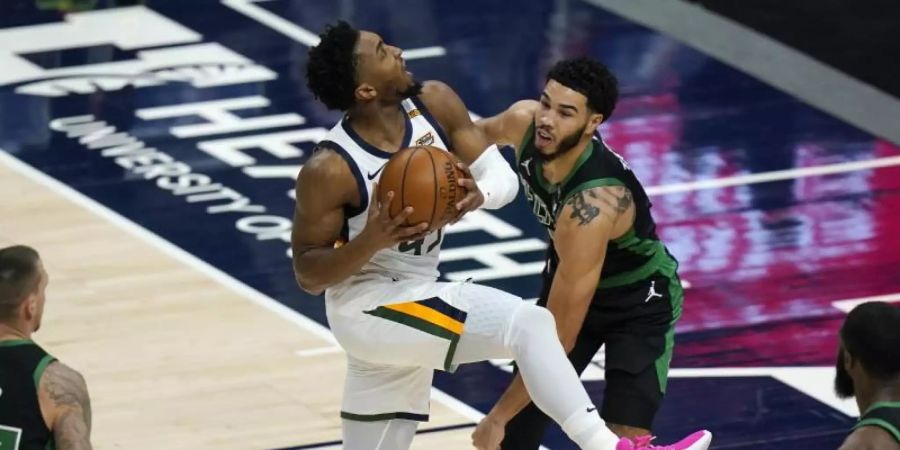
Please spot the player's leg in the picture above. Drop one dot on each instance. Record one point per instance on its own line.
(526, 430)
(383, 404)
(394, 434)
(500, 325)
(639, 349)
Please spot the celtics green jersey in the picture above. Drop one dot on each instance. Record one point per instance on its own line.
(630, 258)
(885, 415)
(22, 427)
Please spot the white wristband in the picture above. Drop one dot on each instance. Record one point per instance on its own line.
(495, 179)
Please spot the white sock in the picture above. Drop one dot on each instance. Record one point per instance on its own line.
(499, 325)
(589, 431)
(551, 380)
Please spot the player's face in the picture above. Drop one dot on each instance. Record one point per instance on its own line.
(843, 382)
(382, 66)
(561, 121)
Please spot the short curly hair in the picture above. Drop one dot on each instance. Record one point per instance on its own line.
(869, 334)
(331, 66)
(590, 78)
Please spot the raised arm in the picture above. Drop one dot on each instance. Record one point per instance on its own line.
(324, 187)
(64, 400)
(490, 182)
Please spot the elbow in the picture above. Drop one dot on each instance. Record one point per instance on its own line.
(309, 286)
(307, 281)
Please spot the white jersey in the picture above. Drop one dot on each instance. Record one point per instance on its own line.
(419, 258)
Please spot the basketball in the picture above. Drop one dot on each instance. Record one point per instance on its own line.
(424, 178)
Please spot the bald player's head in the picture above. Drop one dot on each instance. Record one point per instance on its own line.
(23, 282)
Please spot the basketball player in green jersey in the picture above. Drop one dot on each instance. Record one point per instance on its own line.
(43, 403)
(608, 280)
(868, 368)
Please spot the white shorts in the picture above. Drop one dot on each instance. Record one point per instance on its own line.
(395, 333)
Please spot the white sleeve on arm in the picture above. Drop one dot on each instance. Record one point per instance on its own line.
(497, 181)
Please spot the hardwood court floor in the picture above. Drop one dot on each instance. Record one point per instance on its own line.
(174, 358)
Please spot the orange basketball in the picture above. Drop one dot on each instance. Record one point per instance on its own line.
(424, 178)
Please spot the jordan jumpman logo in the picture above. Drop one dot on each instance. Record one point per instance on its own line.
(652, 292)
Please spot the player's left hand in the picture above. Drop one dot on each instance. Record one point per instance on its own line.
(488, 434)
(473, 199)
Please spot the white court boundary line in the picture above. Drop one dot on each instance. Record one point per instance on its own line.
(306, 37)
(203, 267)
(765, 177)
(849, 304)
(167, 247)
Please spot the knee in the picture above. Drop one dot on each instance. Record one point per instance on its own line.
(540, 317)
(533, 320)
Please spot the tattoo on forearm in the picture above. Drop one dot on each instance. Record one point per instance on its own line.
(71, 432)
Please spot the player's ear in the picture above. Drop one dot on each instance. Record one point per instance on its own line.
(594, 121)
(848, 360)
(29, 306)
(365, 92)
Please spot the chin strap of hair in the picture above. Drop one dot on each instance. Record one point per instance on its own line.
(495, 178)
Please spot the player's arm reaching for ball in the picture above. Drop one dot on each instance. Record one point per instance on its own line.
(490, 182)
(324, 188)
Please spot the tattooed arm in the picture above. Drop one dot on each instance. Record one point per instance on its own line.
(586, 223)
(66, 407)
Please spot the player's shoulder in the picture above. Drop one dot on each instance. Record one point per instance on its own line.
(869, 438)
(62, 375)
(327, 167)
(326, 161)
(61, 385)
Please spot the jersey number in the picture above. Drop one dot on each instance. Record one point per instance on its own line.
(10, 437)
(415, 247)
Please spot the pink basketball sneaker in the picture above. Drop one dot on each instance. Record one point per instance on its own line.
(697, 441)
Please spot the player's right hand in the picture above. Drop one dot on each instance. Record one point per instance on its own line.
(488, 434)
(385, 231)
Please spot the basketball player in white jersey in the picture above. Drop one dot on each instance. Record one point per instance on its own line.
(384, 305)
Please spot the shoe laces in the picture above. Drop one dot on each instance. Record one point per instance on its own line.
(643, 442)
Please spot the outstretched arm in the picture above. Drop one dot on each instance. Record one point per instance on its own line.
(489, 181)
